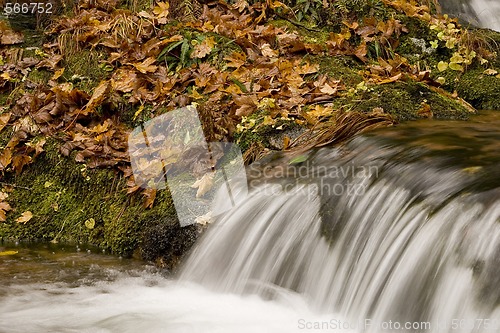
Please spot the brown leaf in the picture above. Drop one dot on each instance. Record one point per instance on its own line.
(4, 120)
(5, 158)
(25, 217)
(4, 207)
(100, 93)
(204, 48)
(149, 197)
(146, 66)
(19, 161)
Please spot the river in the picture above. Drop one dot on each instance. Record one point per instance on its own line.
(398, 230)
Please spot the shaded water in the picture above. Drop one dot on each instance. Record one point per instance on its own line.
(397, 227)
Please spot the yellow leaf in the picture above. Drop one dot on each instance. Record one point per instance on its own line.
(442, 66)
(489, 71)
(441, 80)
(25, 217)
(456, 67)
(57, 74)
(161, 10)
(8, 253)
(90, 223)
(204, 48)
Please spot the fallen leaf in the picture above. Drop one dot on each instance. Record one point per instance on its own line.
(4, 207)
(90, 223)
(146, 66)
(267, 51)
(204, 184)
(98, 96)
(4, 120)
(8, 253)
(490, 71)
(327, 89)
(204, 48)
(25, 217)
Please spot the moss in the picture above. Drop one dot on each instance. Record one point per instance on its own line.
(403, 100)
(482, 91)
(83, 68)
(63, 194)
(39, 76)
(267, 135)
(345, 68)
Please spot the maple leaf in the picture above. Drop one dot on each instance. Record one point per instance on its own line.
(267, 51)
(204, 184)
(161, 10)
(19, 161)
(329, 90)
(204, 48)
(25, 217)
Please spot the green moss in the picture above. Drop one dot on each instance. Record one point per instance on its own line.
(403, 100)
(341, 67)
(482, 91)
(63, 194)
(264, 134)
(84, 69)
(39, 76)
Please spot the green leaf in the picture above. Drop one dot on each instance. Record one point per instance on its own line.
(240, 85)
(185, 47)
(442, 66)
(456, 67)
(298, 159)
(169, 48)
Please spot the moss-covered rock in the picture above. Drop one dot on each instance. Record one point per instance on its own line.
(65, 196)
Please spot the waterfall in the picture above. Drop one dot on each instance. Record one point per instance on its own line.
(482, 13)
(373, 232)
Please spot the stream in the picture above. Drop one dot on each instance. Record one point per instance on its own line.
(398, 230)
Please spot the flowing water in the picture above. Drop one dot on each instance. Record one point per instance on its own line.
(396, 231)
(482, 13)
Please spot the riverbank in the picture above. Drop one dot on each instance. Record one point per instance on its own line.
(72, 94)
